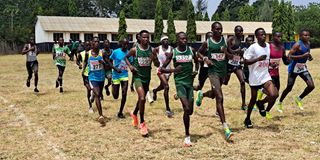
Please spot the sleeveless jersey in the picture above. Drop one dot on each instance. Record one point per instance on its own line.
(142, 62)
(96, 69)
(235, 61)
(162, 56)
(184, 59)
(31, 55)
(61, 52)
(275, 58)
(299, 66)
(108, 53)
(83, 56)
(217, 56)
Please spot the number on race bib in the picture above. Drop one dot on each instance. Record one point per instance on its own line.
(235, 60)
(183, 58)
(144, 61)
(218, 56)
(274, 63)
(95, 65)
(299, 68)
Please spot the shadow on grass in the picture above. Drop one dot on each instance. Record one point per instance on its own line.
(196, 137)
(305, 113)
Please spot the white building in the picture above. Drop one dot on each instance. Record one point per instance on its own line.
(50, 28)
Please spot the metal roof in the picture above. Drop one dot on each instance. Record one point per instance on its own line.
(110, 25)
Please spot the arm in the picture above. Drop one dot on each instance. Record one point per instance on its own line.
(154, 57)
(164, 70)
(230, 43)
(25, 49)
(132, 52)
(85, 63)
(54, 53)
(285, 59)
(225, 51)
(295, 48)
(167, 61)
(203, 48)
(248, 57)
(195, 58)
(108, 62)
(79, 58)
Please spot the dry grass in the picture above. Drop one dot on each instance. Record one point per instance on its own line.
(50, 125)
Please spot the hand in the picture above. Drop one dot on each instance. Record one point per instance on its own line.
(208, 62)
(307, 55)
(133, 69)
(178, 69)
(100, 61)
(262, 57)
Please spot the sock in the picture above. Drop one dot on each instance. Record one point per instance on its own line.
(225, 125)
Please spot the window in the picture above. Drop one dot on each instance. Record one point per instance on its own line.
(56, 36)
(74, 36)
(88, 36)
(114, 37)
(102, 37)
(198, 39)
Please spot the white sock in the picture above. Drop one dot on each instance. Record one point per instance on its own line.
(225, 125)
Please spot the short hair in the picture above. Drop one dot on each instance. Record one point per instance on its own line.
(215, 23)
(143, 31)
(235, 28)
(303, 30)
(276, 32)
(257, 30)
(106, 40)
(178, 34)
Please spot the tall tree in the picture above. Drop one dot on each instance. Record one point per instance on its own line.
(171, 30)
(233, 6)
(200, 8)
(226, 15)
(291, 21)
(206, 17)
(182, 13)
(122, 31)
(246, 13)
(72, 8)
(266, 11)
(191, 23)
(136, 9)
(215, 17)
(147, 7)
(158, 26)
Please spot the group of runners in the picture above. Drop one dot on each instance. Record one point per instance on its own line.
(255, 63)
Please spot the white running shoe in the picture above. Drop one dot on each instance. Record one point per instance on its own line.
(187, 142)
(150, 96)
(91, 110)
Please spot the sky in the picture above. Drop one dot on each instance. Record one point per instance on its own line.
(213, 4)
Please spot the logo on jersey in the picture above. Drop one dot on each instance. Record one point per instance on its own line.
(183, 58)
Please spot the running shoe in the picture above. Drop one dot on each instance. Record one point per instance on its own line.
(268, 116)
(143, 129)
(255, 107)
(279, 107)
(154, 95)
(57, 83)
(61, 90)
(169, 114)
(134, 120)
(121, 116)
(228, 133)
(248, 123)
(36, 90)
(199, 98)
(261, 107)
(149, 97)
(259, 94)
(107, 90)
(244, 107)
(91, 110)
(298, 103)
(102, 120)
(187, 142)
(28, 83)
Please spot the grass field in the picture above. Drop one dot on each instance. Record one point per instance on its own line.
(50, 125)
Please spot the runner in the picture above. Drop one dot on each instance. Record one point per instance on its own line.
(216, 60)
(59, 56)
(257, 58)
(236, 49)
(163, 51)
(183, 75)
(299, 54)
(203, 73)
(118, 58)
(106, 52)
(141, 70)
(248, 43)
(96, 64)
(31, 51)
(81, 58)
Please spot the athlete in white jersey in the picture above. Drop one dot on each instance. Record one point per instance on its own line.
(162, 52)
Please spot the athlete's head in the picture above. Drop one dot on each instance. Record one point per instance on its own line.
(106, 43)
(238, 31)
(31, 40)
(164, 40)
(216, 29)
(61, 41)
(276, 37)
(144, 37)
(209, 34)
(304, 35)
(95, 43)
(87, 45)
(124, 44)
(249, 41)
(182, 39)
(260, 35)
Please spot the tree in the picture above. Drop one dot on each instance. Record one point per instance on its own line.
(182, 13)
(147, 7)
(171, 30)
(266, 11)
(136, 9)
(291, 21)
(215, 17)
(226, 15)
(233, 6)
(158, 26)
(191, 23)
(72, 8)
(206, 17)
(246, 13)
(278, 19)
(122, 31)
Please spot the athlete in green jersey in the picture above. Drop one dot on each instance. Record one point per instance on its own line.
(183, 76)
(59, 57)
(217, 62)
(106, 52)
(141, 70)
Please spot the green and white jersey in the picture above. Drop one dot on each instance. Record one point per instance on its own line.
(183, 59)
(217, 56)
(142, 62)
(61, 53)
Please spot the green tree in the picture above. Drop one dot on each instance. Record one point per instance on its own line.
(266, 11)
(147, 7)
(226, 15)
(182, 13)
(233, 6)
(136, 9)
(215, 17)
(246, 13)
(278, 19)
(191, 23)
(171, 30)
(158, 26)
(72, 8)
(122, 31)
(291, 21)
(206, 17)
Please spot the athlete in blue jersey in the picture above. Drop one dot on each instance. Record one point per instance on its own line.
(299, 55)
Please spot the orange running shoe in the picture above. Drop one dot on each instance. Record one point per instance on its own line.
(134, 120)
(143, 129)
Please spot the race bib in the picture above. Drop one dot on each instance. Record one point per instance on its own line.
(123, 65)
(263, 64)
(218, 56)
(274, 63)
(32, 54)
(144, 61)
(60, 55)
(95, 65)
(183, 58)
(300, 67)
(235, 60)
